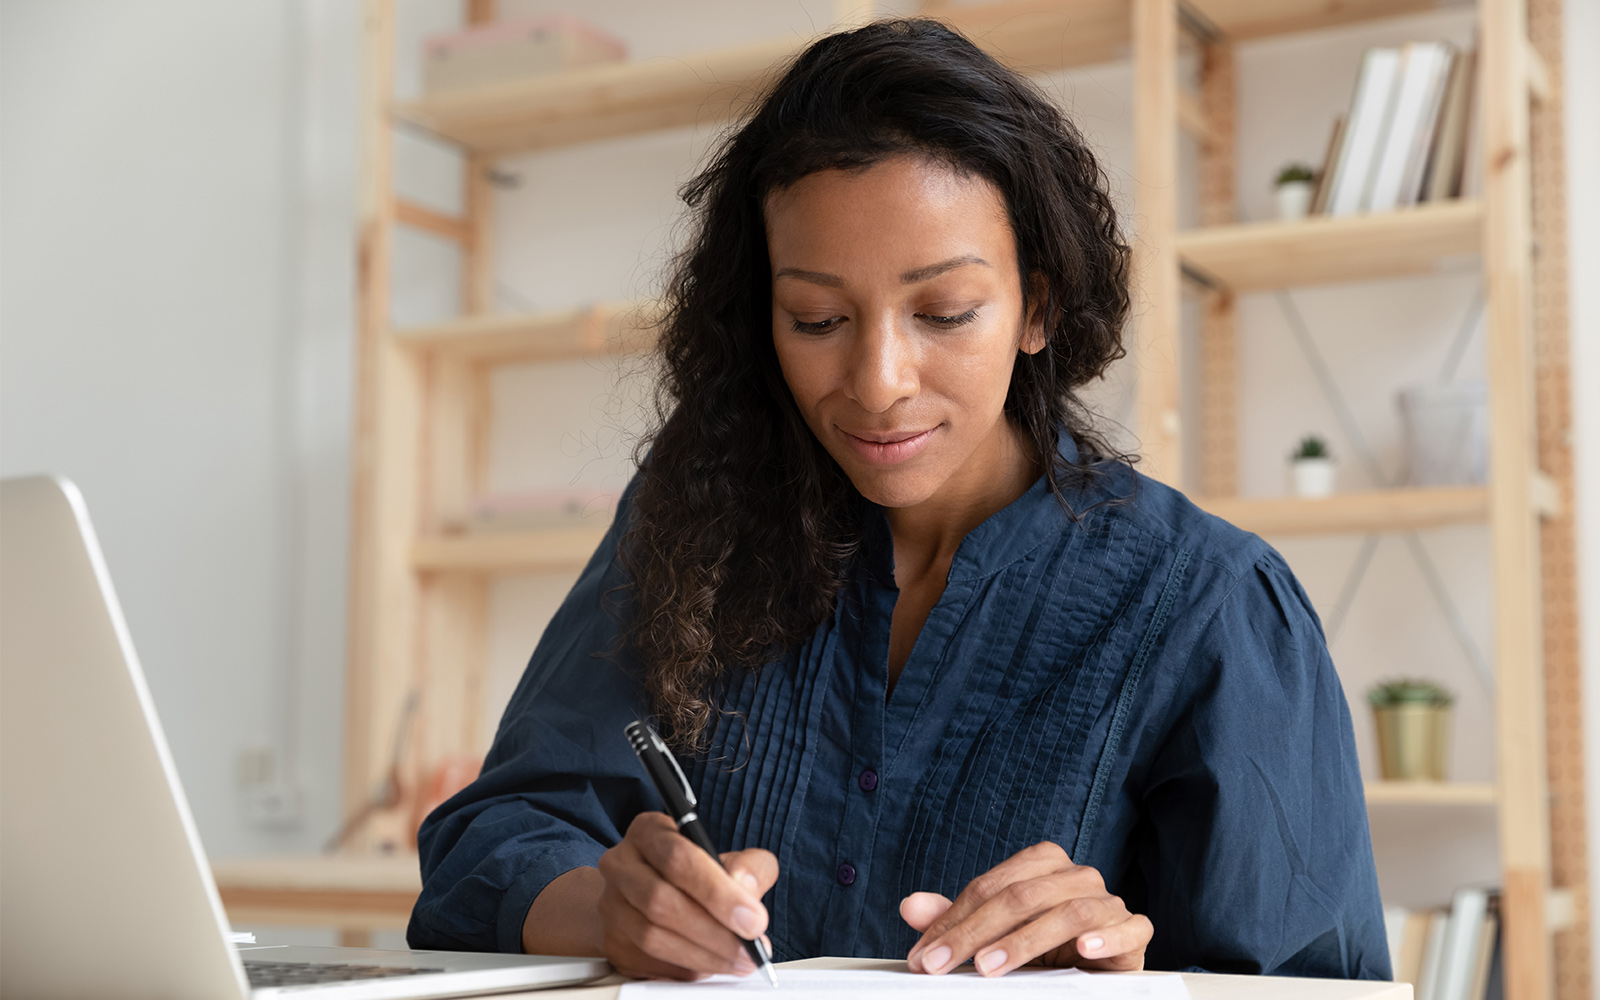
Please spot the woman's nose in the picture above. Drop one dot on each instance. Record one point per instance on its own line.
(883, 369)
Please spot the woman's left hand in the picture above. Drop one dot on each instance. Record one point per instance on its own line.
(1034, 907)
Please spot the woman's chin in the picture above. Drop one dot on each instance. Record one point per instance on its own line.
(892, 489)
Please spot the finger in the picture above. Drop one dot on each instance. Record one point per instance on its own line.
(665, 905)
(667, 946)
(1003, 912)
(697, 873)
(1119, 935)
(1030, 862)
(1120, 948)
(920, 909)
(753, 868)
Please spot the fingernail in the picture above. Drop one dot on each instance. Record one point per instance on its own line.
(743, 966)
(989, 961)
(746, 922)
(937, 959)
(1089, 946)
(749, 881)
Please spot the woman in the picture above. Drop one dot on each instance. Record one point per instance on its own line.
(952, 682)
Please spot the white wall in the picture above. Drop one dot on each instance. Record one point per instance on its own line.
(154, 347)
(1582, 37)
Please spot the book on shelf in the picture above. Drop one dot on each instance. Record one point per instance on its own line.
(1407, 136)
(1448, 953)
(1419, 85)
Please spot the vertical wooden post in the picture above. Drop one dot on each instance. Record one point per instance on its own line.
(387, 455)
(1219, 349)
(1519, 710)
(1569, 854)
(455, 617)
(1155, 90)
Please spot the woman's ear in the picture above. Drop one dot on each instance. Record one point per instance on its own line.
(1034, 336)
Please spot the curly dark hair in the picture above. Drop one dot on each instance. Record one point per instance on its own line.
(742, 526)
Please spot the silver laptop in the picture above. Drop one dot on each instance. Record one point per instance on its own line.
(106, 890)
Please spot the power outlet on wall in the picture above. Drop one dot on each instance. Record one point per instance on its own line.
(269, 801)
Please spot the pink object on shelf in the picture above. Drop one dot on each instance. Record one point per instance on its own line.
(511, 50)
(541, 509)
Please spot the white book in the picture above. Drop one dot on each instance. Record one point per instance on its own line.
(1415, 181)
(1416, 101)
(1427, 983)
(1460, 961)
(1369, 120)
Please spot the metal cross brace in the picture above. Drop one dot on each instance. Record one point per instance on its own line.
(1419, 553)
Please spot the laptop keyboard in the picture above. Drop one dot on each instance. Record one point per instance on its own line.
(311, 973)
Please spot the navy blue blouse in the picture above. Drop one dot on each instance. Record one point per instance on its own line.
(1148, 687)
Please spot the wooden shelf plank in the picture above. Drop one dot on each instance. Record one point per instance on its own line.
(1253, 256)
(604, 329)
(1376, 511)
(631, 97)
(1430, 793)
(502, 552)
(1241, 19)
(320, 890)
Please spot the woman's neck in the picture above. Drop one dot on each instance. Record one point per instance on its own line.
(927, 535)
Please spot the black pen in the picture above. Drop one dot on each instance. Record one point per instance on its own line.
(680, 802)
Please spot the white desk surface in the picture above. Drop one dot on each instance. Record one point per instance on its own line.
(1201, 987)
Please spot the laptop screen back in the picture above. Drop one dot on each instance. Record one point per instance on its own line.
(106, 891)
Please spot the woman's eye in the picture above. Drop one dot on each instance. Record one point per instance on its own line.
(821, 326)
(948, 322)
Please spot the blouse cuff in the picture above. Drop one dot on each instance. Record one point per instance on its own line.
(543, 868)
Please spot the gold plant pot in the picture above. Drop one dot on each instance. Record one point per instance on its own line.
(1413, 741)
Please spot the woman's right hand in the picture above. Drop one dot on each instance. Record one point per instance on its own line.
(670, 912)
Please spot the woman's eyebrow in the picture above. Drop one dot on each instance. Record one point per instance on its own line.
(815, 277)
(909, 278)
(934, 270)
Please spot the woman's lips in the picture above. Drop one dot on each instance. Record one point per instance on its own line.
(888, 447)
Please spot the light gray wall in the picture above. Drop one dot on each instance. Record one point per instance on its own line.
(1582, 37)
(158, 225)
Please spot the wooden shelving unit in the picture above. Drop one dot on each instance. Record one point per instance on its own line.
(1430, 793)
(504, 552)
(1376, 511)
(1251, 256)
(1527, 499)
(419, 592)
(599, 330)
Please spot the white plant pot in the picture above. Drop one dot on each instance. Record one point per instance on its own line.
(1313, 477)
(1294, 200)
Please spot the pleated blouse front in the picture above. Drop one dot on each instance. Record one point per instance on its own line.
(1145, 686)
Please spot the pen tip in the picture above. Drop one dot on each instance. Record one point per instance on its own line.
(772, 975)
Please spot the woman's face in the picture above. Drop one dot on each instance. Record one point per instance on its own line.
(897, 313)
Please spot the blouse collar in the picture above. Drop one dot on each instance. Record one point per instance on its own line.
(1005, 537)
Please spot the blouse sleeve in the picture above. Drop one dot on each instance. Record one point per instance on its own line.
(1258, 853)
(558, 787)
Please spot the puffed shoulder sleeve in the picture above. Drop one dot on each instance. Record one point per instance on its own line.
(1258, 856)
(559, 785)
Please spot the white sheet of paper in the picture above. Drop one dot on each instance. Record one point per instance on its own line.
(1024, 984)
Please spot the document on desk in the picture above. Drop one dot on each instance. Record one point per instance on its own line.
(844, 984)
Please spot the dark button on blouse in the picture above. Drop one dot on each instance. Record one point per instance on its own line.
(868, 780)
(1140, 683)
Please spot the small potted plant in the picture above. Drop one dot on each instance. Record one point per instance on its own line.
(1312, 468)
(1294, 191)
(1413, 723)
